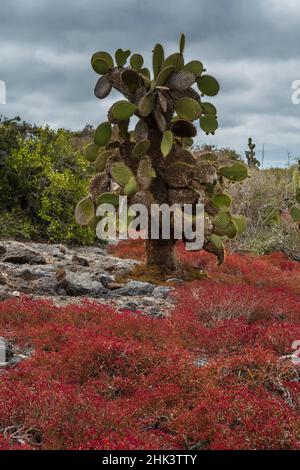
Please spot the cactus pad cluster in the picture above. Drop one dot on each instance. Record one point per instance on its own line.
(151, 162)
(250, 155)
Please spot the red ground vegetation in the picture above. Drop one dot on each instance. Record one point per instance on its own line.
(102, 380)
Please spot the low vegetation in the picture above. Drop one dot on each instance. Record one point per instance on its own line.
(210, 376)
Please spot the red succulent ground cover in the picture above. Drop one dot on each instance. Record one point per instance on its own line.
(99, 379)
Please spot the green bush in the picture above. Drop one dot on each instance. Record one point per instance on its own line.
(42, 177)
(264, 199)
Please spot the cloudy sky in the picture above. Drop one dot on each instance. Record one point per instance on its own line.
(251, 46)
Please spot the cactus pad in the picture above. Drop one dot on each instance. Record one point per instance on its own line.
(91, 152)
(121, 57)
(102, 62)
(166, 143)
(208, 85)
(103, 134)
(121, 173)
(136, 62)
(123, 110)
(188, 109)
(85, 211)
(141, 148)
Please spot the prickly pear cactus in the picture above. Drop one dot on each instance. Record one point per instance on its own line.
(295, 210)
(151, 162)
(250, 155)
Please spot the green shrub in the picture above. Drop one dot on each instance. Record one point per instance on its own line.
(41, 180)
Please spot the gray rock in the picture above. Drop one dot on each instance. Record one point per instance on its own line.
(22, 255)
(133, 288)
(80, 260)
(161, 292)
(176, 280)
(81, 284)
(201, 362)
(6, 350)
(155, 312)
(2, 250)
(148, 301)
(46, 285)
(105, 279)
(132, 306)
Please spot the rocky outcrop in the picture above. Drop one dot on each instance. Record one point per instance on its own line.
(69, 275)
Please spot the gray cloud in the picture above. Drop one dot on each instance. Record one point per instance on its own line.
(251, 47)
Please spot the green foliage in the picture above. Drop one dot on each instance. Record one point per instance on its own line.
(40, 184)
(166, 143)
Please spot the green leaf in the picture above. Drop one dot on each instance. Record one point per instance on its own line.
(121, 173)
(108, 198)
(216, 241)
(146, 104)
(295, 214)
(157, 59)
(209, 124)
(182, 43)
(164, 75)
(166, 143)
(194, 66)
(91, 152)
(84, 211)
(231, 231)
(208, 85)
(221, 221)
(145, 73)
(121, 57)
(136, 62)
(103, 134)
(298, 196)
(102, 62)
(188, 109)
(236, 172)
(217, 247)
(123, 110)
(131, 187)
(209, 108)
(101, 161)
(222, 200)
(241, 223)
(141, 148)
(175, 60)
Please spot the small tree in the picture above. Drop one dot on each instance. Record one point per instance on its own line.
(152, 163)
(250, 155)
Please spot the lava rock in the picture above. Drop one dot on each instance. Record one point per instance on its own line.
(80, 260)
(6, 351)
(22, 255)
(134, 288)
(82, 285)
(161, 292)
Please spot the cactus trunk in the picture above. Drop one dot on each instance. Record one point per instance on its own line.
(161, 254)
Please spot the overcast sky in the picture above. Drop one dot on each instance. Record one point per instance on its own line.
(251, 46)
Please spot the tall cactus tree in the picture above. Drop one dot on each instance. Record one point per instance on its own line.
(152, 163)
(250, 155)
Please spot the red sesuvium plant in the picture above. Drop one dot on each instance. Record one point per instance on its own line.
(99, 379)
(151, 164)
